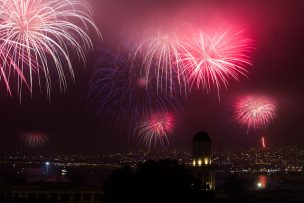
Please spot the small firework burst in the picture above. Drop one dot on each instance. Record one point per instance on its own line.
(255, 112)
(156, 129)
(34, 139)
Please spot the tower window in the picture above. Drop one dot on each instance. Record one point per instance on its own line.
(206, 162)
(199, 162)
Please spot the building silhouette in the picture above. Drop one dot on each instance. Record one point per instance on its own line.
(202, 168)
(55, 189)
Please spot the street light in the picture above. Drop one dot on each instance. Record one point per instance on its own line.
(47, 168)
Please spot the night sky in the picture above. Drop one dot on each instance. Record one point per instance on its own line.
(278, 68)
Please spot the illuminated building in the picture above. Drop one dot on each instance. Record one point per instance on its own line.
(202, 167)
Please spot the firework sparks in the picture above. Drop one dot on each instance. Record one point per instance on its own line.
(160, 57)
(255, 112)
(38, 33)
(263, 142)
(119, 93)
(156, 129)
(6, 67)
(35, 139)
(212, 61)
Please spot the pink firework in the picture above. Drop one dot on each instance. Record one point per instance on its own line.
(156, 129)
(35, 139)
(39, 36)
(160, 55)
(255, 112)
(7, 66)
(213, 60)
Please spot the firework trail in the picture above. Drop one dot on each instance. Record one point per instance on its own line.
(213, 60)
(39, 35)
(263, 142)
(6, 66)
(160, 56)
(255, 112)
(34, 139)
(156, 129)
(120, 93)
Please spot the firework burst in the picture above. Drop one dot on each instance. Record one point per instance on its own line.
(212, 60)
(156, 129)
(40, 34)
(160, 56)
(120, 93)
(255, 112)
(34, 139)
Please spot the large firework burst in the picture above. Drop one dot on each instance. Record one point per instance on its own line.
(121, 93)
(160, 57)
(156, 128)
(212, 60)
(255, 112)
(39, 34)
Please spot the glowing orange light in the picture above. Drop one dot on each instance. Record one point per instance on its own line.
(262, 181)
(199, 162)
(206, 161)
(263, 142)
(194, 162)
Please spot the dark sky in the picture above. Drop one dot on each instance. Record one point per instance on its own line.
(277, 71)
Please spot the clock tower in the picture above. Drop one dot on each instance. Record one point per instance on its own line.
(202, 167)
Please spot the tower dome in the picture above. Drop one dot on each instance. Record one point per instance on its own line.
(201, 137)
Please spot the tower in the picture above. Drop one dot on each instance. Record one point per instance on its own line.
(202, 167)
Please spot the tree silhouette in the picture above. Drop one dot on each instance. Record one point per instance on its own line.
(152, 181)
(164, 181)
(120, 186)
(234, 187)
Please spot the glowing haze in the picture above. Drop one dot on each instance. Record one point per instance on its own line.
(122, 95)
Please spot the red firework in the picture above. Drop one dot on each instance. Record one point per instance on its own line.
(35, 139)
(255, 112)
(212, 60)
(263, 142)
(157, 128)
